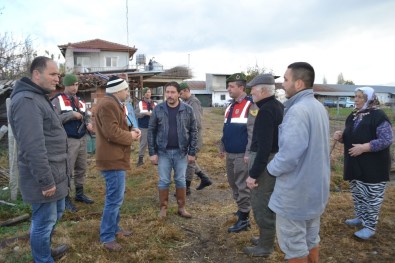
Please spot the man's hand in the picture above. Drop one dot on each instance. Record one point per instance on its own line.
(251, 182)
(49, 192)
(246, 159)
(221, 155)
(154, 159)
(191, 159)
(77, 115)
(136, 134)
(89, 127)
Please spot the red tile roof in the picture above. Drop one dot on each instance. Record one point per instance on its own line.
(98, 44)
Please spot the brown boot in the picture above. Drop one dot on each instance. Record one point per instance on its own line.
(298, 260)
(313, 256)
(181, 195)
(164, 199)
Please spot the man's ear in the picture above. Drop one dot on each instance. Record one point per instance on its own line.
(299, 85)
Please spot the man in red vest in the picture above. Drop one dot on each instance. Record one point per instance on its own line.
(235, 142)
(143, 113)
(72, 112)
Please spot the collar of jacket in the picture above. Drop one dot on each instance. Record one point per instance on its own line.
(263, 101)
(298, 96)
(37, 88)
(241, 98)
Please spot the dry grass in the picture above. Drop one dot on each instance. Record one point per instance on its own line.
(203, 238)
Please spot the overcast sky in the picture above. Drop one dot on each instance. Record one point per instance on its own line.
(353, 37)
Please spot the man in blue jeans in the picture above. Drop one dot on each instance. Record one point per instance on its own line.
(42, 155)
(113, 141)
(172, 141)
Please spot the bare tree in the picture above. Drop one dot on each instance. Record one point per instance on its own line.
(15, 56)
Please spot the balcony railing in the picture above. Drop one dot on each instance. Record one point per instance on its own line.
(80, 69)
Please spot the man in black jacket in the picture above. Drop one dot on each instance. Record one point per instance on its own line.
(263, 147)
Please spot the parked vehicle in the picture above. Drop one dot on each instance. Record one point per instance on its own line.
(330, 103)
(346, 102)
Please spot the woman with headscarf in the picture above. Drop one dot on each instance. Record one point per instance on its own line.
(367, 138)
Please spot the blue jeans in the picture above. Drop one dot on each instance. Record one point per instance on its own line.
(44, 218)
(115, 191)
(172, 159)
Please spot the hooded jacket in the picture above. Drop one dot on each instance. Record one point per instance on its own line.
(42, 143)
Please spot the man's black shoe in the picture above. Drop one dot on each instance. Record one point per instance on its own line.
(69, 205)
(59, 251)
(241, 225)
(83, 199)
(204, 181)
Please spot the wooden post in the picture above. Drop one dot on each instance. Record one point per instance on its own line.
(13, 159)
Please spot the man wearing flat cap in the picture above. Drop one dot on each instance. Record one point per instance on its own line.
(143, 113)
(264, 145)
(235, 144)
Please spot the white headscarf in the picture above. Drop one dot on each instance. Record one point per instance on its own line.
(371, 96)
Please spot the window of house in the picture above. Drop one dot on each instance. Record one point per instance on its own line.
(111, 62)
(83, 61)
(223, 97)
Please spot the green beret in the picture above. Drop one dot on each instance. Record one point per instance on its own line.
(145, 90)
(183, 85)
(237, 77)
(69, 80)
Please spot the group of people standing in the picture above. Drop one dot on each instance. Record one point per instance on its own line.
(278, 161)
(277, 156)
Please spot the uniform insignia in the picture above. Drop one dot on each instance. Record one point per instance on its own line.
(237, 111)
(254, 112)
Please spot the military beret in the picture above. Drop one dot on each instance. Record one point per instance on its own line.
(183, 85)
(69, 79)
(145, 90)
(237, 77)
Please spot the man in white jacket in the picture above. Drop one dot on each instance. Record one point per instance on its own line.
(301, 167)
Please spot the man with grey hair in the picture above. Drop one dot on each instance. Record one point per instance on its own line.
(264, 145)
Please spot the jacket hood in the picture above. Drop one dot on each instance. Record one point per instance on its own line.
(26, 84)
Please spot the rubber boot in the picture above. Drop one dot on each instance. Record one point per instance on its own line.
(313, 256)
(242, 224)
(69, 205)
(81, 197)
(265, 244)
(181, 196)
(163, 199)
(298, 260)
(204, 181)
(140, 162)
